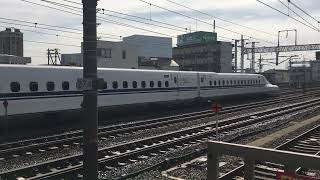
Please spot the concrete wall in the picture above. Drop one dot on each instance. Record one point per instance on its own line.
(71, 59)
(123, 55)
(151, 46)
(10, 59)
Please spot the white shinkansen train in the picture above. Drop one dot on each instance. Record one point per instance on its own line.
(39, 89)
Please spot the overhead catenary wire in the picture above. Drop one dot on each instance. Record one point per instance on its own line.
(297, 14)
(204, 22)
(287, 15)
(115, 22)
(308, 14)
(59, 44)
(79, 13)
(222, 19)
(52, 27)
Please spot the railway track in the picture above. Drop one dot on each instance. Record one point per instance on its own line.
(126, 153)
(30, 146)
(308, 143)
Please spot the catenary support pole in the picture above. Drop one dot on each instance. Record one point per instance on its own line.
(242, 54)
(236, 55)
(90, 112)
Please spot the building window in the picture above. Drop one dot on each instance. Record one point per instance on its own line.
(115, 85)
(151, 84)
(104, 53)
(223, 83)
(15, 86)
(202, 80)
(210, 83)
(125, 84)
(33, 86)
(134, 84)
(166, 83)
(219, 83)
(175, 80)
(50, 86)
(124, 54)
(65, 85)
(215, 83)
(143, 84)
(159, 84)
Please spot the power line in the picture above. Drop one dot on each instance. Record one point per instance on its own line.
(44, 28)
(287, 15)
(297, 14)
(190, 17)
(318, 21)
(36, 25)
(59, 44)
(38, 32)
(79, 13)
(215, 17)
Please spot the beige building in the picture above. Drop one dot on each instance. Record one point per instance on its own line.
(208, 56)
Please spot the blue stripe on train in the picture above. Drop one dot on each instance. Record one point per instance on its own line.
(58, 94)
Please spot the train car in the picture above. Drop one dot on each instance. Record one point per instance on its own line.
(30, 90)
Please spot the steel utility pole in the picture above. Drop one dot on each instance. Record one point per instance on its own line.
(253, 56)
(236, 55)
(295, 42)
(242, 54)
(90, 99)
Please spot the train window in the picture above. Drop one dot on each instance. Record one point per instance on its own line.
(65, 85)
(238, 82)
(15, 86)
(215, 83)
(210, 82)
(134, 84)
(202, 80)
(223, 83)
(105, 85)
(50, 86)
(143, 84)
(241, 82)
(235, 82)
(231, 82)
(125, 84)
(159, 83)
(166, 83)
(227, 82)
(151, 84)
(115, 85)
(175, 79)
(33, 86)
(219, 83)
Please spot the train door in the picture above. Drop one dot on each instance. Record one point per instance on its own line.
(198, 84)
(176, 78)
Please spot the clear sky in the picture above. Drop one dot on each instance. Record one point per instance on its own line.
(249, 13)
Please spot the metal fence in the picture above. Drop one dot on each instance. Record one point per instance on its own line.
(291, 160)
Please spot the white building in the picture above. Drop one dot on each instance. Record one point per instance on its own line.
(127, 53)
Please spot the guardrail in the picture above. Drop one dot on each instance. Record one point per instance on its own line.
(291, 160)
